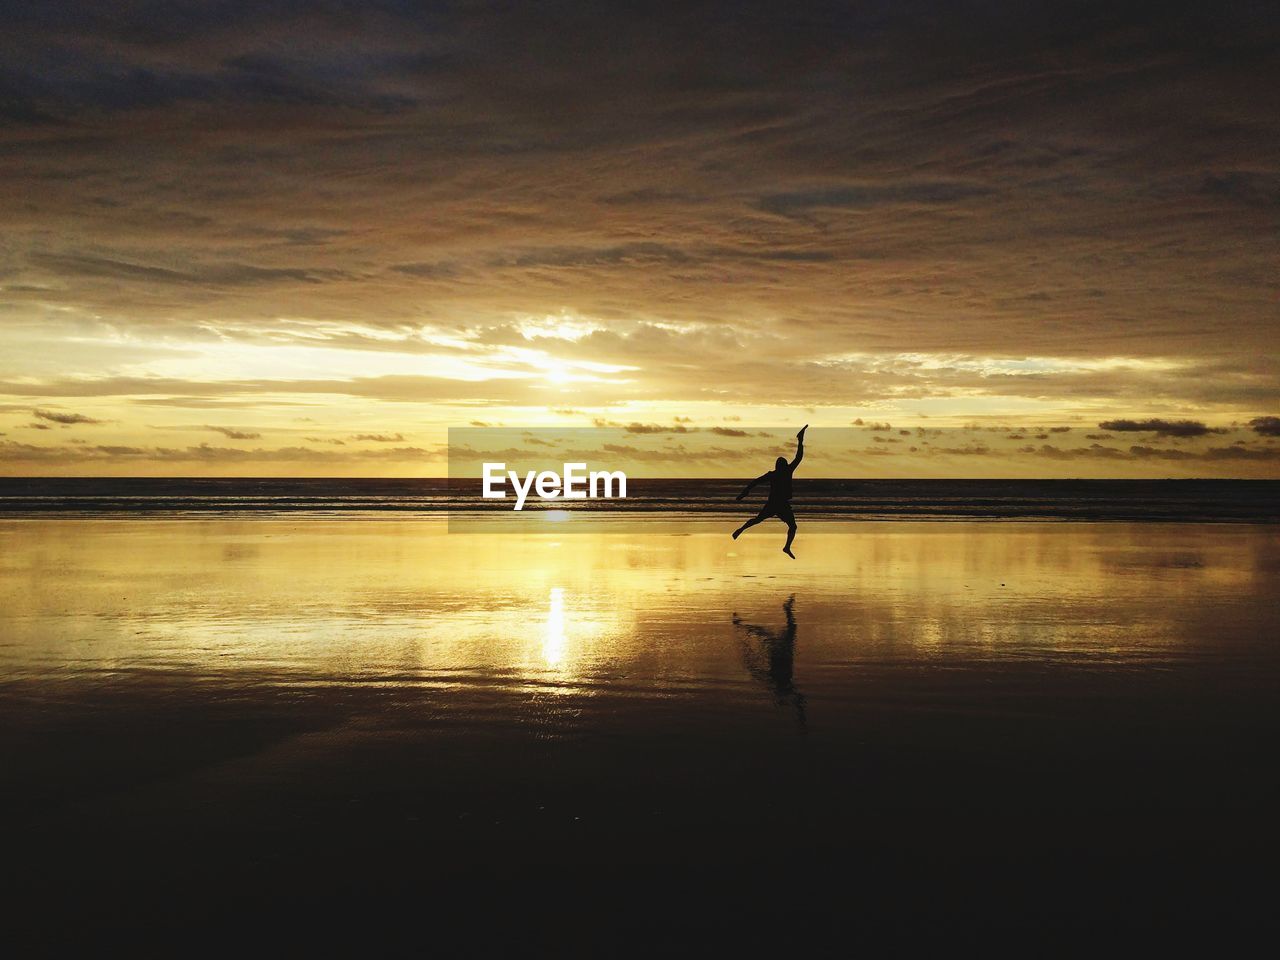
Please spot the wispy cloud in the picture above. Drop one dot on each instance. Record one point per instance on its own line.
(66, 419)
(233, 434)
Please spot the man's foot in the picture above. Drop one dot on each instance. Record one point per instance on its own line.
(787, 551)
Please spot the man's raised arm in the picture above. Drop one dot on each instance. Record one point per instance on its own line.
(759, 479)
(799, 447)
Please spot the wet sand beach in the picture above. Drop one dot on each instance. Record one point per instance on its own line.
(278, 706)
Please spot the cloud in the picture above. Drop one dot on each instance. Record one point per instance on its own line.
(1234, 452)
(397, 388)
(1266, 426)
(66, 419)
(729, 432)
(681, 454)
(1237, 452)
(1161, 428)
(1141, 452)
(655, 428)
(379, 437)
(1145, 452)
(70, 266)
(204, 454)
(232, 434)
(867, 195)
(577, 257)
(1253, 187)
(1093, 451)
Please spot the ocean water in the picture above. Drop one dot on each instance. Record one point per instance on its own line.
(1242, 500)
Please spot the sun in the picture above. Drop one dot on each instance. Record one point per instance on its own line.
(556, 373)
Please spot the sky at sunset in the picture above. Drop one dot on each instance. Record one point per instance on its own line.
(306, 239)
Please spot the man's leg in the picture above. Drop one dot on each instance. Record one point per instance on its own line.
(789, 518)
(758, 518)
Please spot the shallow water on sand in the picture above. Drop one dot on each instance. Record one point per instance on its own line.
(262, 685)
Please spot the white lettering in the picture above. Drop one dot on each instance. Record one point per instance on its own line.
(608, 483)
(548, 484)
(490, 479)
(574, 484)
(573, 473)
(521, 492)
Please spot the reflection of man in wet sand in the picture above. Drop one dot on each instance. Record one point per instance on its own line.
(773, 662)
(779, 502)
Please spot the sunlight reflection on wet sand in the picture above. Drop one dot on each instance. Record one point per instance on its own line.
(408, 601)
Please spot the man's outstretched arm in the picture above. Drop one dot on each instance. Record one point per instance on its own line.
(760, 479)
(799, 447)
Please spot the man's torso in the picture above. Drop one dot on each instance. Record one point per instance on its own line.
(780, 486)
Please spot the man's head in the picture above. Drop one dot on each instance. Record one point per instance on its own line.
(780, 463)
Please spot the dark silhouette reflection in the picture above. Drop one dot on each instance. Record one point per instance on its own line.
(771, 659)
(779, 502)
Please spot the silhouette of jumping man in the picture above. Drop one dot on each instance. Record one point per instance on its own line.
(773, 662)
(779, 502)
